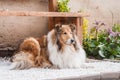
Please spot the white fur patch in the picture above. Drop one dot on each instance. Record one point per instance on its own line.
(69, 58)
(21, 61)
(68, 41)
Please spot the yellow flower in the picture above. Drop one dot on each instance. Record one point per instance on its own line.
(85, 27)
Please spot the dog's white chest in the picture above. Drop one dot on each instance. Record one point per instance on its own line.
(67, 59)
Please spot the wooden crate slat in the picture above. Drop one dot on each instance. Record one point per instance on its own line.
(42, 14)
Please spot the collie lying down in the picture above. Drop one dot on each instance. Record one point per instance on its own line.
(60, 48)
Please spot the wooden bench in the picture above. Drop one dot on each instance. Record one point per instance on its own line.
(54, 17)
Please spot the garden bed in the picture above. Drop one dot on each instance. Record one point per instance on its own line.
(101, 70)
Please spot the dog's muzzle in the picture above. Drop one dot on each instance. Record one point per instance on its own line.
(72, 41)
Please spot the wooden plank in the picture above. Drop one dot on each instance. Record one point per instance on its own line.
(53, 6)
(42, 14)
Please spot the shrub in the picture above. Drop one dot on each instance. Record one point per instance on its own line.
(103, 43)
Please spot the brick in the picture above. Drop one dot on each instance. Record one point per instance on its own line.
(109, 76)
(91, 77)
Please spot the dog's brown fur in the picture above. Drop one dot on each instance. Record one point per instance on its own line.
(32, 52)
(42, 59)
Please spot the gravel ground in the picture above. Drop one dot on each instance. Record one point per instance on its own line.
(93, 68)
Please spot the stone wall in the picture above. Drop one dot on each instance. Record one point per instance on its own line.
(14, 29)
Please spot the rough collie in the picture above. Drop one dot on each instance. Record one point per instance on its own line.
(60, 48)
(64, 47)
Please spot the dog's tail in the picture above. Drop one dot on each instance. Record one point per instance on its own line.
(22, 61)
(25, 58)
(30, 45)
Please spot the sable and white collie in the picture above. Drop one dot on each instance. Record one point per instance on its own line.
(64, 48)
(60, 48)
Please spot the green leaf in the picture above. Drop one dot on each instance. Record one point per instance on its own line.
(112, 57)
(92, 45)
(118, 49)
(118, 56)
(101, 53)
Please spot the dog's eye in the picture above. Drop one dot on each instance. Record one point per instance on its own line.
(65, 33)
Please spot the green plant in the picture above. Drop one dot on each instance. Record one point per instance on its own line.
(63, 6)
(116, 28)
(104, 44)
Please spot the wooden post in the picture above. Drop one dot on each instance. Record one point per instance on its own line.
(79, 22)
(52, 5)
(52, 8)
(81, 29)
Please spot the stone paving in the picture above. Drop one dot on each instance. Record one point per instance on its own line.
(101, 76)
(96, 70)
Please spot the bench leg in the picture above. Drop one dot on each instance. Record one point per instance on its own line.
(79, 22)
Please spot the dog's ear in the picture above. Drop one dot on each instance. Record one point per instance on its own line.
(58, 28)
(73, 27)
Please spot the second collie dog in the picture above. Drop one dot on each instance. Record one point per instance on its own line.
(60, 48)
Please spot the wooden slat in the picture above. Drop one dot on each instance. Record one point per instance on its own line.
(52, 5)
(42, 14)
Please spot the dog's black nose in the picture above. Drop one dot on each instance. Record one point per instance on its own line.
(72, 40)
